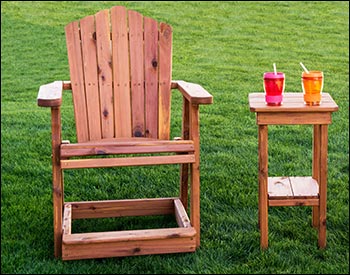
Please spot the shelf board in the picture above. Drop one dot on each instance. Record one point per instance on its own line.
(292, 187)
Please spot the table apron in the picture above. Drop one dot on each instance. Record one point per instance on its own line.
(275, 118)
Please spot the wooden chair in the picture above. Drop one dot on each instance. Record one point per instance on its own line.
(120, 76)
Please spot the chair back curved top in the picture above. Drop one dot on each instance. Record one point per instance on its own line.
(120, 67)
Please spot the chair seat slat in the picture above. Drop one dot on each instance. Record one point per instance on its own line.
(125, 147)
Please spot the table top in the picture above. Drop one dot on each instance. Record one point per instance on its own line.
(292, 102)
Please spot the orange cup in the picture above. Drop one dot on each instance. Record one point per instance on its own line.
(312, 84)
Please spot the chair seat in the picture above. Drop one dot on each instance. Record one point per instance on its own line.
(115, 146)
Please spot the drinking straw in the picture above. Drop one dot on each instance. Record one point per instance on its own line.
(274, 68)
(302, 65)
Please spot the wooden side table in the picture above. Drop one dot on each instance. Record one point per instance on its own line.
(294, 191)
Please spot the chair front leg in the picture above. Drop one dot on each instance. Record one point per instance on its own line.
(57, 180)
(195, 178)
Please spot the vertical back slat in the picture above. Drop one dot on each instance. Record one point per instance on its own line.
(165, 64)
(137, 72)
(151, 76)
(87, 31)
(77, 80)
(104, 59)
(121, 75)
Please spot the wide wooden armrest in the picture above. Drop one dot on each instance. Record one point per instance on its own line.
(194, 93)
(50, 95)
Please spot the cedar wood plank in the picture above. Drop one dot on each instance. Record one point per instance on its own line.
(104, 56)
(121, 75)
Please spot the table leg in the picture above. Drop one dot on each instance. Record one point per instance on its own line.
(323, 185)
(316, 170)
(263, 170)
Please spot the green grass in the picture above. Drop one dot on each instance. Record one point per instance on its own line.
(226, 47)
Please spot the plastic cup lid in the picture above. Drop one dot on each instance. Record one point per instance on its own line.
(273, 75)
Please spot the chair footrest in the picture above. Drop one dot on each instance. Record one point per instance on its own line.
(128, 242)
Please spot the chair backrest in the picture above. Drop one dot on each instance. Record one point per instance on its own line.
(120, 67)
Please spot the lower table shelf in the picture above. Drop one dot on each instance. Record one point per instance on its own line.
(293, 191)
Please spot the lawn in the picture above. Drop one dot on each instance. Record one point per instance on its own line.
(226, 47)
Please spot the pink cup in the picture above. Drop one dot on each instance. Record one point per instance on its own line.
(274, 88)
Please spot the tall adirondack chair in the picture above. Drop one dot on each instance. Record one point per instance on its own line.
(120, 76)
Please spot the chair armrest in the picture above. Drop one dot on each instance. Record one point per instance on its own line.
(194, 93)
(50, 95)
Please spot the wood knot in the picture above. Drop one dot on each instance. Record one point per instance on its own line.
(138, 133)
(167, 33)
(154, 63)
(105, 113)
(57, 191)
